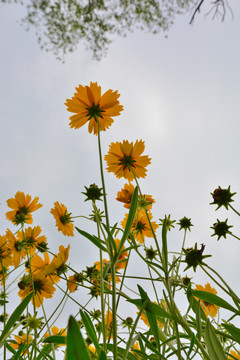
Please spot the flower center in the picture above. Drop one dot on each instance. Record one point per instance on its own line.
(66, 218)
(21, 215)
(127, 162)
(140, 226)
(94, 111)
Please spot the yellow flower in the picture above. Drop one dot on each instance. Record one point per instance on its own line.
(144, 318)
(89, 105)
(56, 331)
(22, 208)
(16, 247)
(57, 265)
(31, 238)
(73, 281)
(63, 219)
(108, 322)
(5, 252)
(140, 226)
(236, 355)
(43, 288)
(24, 339)
(208, 308)
(135, 347)
(125, 196)
(124, 159)
(122, 257)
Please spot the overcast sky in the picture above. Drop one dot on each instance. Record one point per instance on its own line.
(180, 95)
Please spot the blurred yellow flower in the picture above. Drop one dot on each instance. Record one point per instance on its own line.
(31, 238)
(23, 339)
(235, 354)
(124, 159)
(89, 105)
(208, 308)
(56, 331)
(108, 322)
(63, 219)
(122, 259)
(22, 208)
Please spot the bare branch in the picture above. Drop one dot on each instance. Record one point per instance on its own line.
(197, 9)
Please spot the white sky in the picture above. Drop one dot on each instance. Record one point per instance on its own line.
(180, 95)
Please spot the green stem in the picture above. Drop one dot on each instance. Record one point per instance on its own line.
(236, 237)
(102, 175)
(234, 209)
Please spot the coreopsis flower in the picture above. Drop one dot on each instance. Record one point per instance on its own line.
(221, 228)
(92, 350)
(234, 355)
(208, 308)
(125, 159)
(73, 281)
(25, 339)
(56, 331)
(40, 266)
(58, 264)
(63, 219)
(5, 253)
(122, 259)
(144, 318)
(16, 247)
(135, 347)
(90, 106)
(125, 196)
(22, 208)
(140, 226)
(31, 238)
(222, 197)
(108, 322)
(42, 288)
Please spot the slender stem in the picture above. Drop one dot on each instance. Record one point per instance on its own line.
(102, 175)
(234, 209)
(236, 237)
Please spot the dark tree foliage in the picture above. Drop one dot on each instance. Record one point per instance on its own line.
(61, 24)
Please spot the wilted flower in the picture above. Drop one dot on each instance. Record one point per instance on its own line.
(185, 223)
(194, 257)
(221, 228)
(222, 197)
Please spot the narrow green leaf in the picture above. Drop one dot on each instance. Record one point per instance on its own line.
(45, 352)
(214, 299)
(191, 346)
(14, 317)
(151, 308)
(234, 331)
(121, 352)
(164, 246)
(76, 346)
(149, 345)
(17, 354)
(111, 239)
(102, 356)
(131, 216)
(95, 240)
(194, 304)
(90, 328)
(56, 339)
(214, 346)
(198, 320)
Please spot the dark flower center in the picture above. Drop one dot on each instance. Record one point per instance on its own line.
(94, 111)
(140, 226)
(127, 162)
